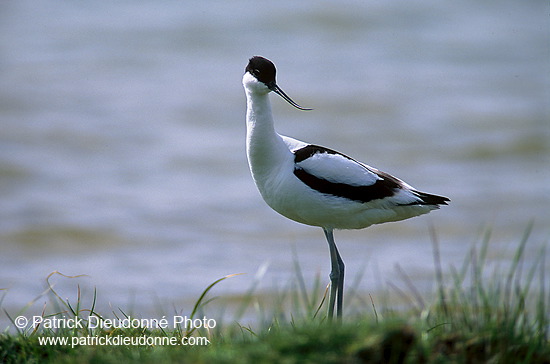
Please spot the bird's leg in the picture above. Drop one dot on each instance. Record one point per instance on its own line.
(340, 298)
(336, 277)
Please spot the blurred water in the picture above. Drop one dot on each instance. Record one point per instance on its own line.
(122, 136)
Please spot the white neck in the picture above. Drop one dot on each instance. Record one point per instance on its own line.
(265, 148)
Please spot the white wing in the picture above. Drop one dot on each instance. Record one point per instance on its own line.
(332, 166)
(337, 168)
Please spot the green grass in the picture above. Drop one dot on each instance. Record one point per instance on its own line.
(476, 316)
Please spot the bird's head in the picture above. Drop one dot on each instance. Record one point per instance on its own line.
(260, 77)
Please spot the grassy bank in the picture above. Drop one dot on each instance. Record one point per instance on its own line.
(476, 317)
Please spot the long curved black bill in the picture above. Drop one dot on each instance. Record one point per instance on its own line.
(273, 87)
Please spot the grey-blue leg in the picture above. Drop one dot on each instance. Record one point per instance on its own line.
(336, 277)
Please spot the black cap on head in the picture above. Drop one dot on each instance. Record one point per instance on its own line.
(263, 69)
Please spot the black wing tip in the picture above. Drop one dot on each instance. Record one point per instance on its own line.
(429, 199)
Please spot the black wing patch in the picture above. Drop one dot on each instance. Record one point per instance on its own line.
(310, 150)
(386, 186)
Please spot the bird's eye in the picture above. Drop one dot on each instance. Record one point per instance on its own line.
(255, 72)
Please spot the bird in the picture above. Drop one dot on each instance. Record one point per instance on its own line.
(318, 186)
